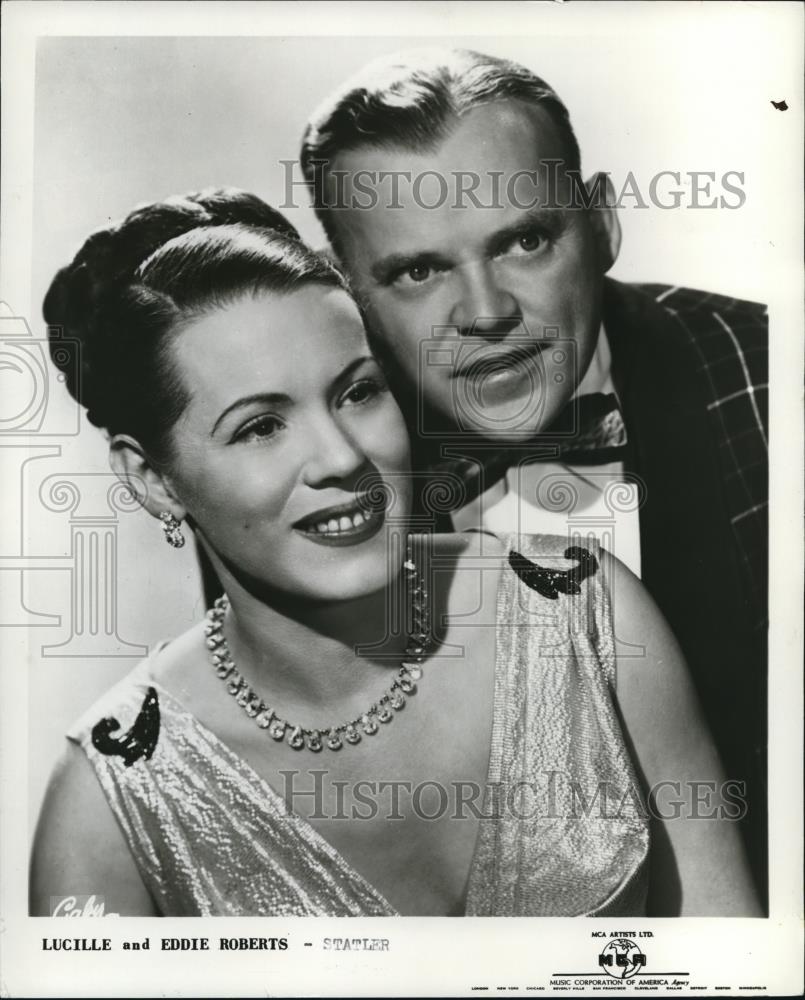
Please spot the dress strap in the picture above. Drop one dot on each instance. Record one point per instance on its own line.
(569, 589)
(558, 757)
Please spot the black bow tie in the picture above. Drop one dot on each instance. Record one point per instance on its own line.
(588, 431)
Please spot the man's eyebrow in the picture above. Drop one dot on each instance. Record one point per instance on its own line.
(550, 220)
(282, 398)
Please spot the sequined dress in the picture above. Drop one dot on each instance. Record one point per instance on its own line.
(562, 833)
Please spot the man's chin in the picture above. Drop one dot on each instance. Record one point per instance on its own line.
(508, 421)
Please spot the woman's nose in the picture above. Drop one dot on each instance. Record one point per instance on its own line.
(333, 455)
(484, 308)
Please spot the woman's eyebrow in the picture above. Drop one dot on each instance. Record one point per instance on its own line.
(348, 369)
(282, 398)
(264, 398)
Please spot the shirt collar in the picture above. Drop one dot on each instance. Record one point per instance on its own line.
(598, 377)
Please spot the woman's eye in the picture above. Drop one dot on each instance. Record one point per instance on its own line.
(260, 429)
(362, 392)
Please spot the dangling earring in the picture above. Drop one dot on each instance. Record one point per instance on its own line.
(172, 529)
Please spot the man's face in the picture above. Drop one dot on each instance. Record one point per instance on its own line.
(488, 301)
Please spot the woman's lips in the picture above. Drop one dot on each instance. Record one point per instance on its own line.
(346, 524)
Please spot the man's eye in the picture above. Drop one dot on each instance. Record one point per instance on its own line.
(530, 241)
(416, 274)
(525, 243)
(260, 429)
(419, 272)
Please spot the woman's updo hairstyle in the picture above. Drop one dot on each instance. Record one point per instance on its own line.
(130, 285)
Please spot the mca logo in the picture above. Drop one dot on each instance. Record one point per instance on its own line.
(621, 958)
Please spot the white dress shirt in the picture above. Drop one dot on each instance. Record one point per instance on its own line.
(560, 499)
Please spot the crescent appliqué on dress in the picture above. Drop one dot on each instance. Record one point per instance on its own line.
(551, 583)
(139, 741)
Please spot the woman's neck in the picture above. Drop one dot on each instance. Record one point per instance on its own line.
(317, 653)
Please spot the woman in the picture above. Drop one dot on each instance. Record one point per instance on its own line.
(366, 763)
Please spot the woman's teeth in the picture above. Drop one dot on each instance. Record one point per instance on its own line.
(338, 524)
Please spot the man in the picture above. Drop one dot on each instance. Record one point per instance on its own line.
(448, 184)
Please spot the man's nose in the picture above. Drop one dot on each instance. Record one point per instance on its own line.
(333, 455)
(484, 308)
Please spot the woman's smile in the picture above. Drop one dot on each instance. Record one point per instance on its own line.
(347, 523)
(288, 403)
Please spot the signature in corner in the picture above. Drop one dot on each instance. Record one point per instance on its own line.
(80, 906)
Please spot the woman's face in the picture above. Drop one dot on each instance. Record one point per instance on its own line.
(289, 424)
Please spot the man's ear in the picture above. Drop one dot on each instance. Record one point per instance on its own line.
(131, 463)
(604, 219)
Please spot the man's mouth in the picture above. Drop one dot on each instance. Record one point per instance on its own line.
(488, 363)
(346, 523)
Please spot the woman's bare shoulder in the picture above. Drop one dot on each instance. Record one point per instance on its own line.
(176, 665)
(471, 564)
(468, 545)
(183, 670)
(79, 849)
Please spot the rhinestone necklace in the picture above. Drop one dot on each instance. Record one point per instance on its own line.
(366, 724)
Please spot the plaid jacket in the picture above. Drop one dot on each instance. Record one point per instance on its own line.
(691, 373)
(723, 343)
(691, 369)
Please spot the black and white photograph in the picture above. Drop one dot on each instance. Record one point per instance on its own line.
(402, 490)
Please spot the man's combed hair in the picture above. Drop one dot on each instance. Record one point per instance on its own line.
(408, 100)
